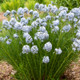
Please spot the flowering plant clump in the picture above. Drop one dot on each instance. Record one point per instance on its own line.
(40, 43)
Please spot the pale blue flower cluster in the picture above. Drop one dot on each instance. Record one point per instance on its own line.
(40, 29)
(26, 49)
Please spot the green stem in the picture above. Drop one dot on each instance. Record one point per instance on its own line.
(62, 63)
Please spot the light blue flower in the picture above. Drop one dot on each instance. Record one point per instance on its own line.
(37, 6)
(25, 10)
(28, 38)
(13, 12)
(63, 13)
(31, 11)
(15, 35)
(26, 49)
(26, 28)
(78, 34)
(54, 9)
(7, 13)
(63, 8)
(34, 24)
(76, 45)
(35, 14)
(66, 28)
(42, 36)
(34, 49)
(20, 11)
(70, 16)
(55, 29)
(48, 17)
(18, 26)
(56, 22)
(45, 59)
(42, 29)
(23, 21)
(44, 24)
(13, 21)
(48, 46)
(1, 39)
(58, 50)
(8, 41)
(75, 20)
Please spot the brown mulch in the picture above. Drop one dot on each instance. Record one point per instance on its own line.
(73, 72)
(6, 71)
(2, 16)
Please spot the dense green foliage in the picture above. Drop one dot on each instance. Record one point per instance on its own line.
(68, 3)
(15, 4)
(31, 66)
(12, 5)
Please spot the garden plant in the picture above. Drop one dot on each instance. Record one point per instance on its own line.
(40, 43)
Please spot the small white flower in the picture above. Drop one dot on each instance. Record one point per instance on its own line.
(18, 26)
(58, 51)
(7, 13)
(78, 34)
(75, 20)
(63, 13)
(70, 16)
(45, 59)
(23, 21)
(15, 35)
(67, 28)
(31, 12)
(36, 14)
(48, 46)
(63, 8)
(44, 24)
(34, 24)
(54, 9)
(26, 28)
(55, 29)
(42, 29)
(56, 23)
(26, 49)
(13, 12)
(42, 36)
(48, 17)
(25, 10)
(8, 41)
(5, 23)
(28, 37)
(37, 6)
(78, 23)
(34, 49)
(1, 39)
(20, 11)
(13, 21)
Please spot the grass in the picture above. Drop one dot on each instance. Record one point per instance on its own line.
(0, 8)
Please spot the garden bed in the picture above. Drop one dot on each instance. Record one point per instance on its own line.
(6, 71)
(2, 16)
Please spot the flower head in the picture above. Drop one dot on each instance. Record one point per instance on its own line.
(58, 50)
(8, 41)
(34, 49)
(45, 59)
(47, 46)
(26, 49)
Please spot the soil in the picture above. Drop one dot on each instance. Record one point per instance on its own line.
(6, 71)
(73, 72)
(2, 16)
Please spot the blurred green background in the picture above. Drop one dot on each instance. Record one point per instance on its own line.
(15, 4)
